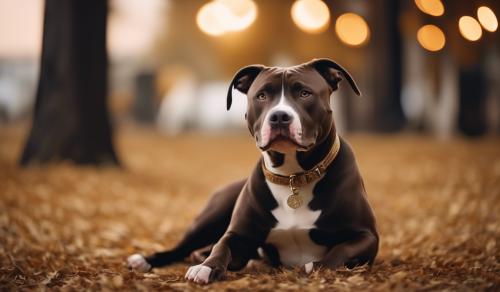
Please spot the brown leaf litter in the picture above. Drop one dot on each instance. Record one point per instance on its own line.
(64, 227)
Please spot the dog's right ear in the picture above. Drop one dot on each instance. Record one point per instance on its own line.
(332, 73)
(242, 81)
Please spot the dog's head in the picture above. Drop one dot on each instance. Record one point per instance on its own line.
(289, 107)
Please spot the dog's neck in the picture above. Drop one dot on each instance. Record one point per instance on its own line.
(292, 162)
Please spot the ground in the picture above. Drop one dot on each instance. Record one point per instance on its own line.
(65, 227)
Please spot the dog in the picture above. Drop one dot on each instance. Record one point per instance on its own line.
(304, 204)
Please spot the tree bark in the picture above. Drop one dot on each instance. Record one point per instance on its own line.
(71, 120)
(387, 61)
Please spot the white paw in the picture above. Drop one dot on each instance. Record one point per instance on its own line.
(138, 263)
(309, 267)
(199, 274)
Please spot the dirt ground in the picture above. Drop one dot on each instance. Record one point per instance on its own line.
(71, 228)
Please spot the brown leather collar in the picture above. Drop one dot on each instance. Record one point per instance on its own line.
(300, 179)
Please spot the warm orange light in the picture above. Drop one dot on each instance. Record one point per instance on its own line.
(470, 28)
(487, 18)
(240, 14)
(431, 38)
(431, 7)
(311, 16)
(221, 16)
(207, 20)
(352, 29)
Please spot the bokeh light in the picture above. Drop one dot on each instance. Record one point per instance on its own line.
(221, 16)
(352, 29)
(242, 13)
(431, 7)
(487, 18)
(207, 20)
(470, 28)
(431, 38)
(311, 16)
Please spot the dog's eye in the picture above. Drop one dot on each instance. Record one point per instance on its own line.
(261, 96)
(305, 93)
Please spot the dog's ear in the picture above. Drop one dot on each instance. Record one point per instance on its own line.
(242, 81)
(333, 72)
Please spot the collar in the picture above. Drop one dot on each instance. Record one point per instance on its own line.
(300, 179)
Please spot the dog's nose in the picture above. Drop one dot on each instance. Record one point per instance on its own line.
(280, 118)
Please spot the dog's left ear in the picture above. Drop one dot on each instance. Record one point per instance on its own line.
(333, 72)
(242, 81)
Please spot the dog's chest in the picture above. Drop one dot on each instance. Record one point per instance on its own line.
(290, 236)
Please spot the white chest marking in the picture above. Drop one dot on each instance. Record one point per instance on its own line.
(290, 236)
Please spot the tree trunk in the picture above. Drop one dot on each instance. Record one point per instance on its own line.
(71, 119)
(472, 115)
(387, 65)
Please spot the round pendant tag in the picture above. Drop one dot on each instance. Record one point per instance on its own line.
(294, 201)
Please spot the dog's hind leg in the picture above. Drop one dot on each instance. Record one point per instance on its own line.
(360, 250)
(206, 230)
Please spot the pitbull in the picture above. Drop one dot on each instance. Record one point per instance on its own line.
(304, 204)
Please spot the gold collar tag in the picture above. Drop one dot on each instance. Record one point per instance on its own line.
(294, 200)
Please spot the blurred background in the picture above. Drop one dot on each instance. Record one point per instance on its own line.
(426, 66)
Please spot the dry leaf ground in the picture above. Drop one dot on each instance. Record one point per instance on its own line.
(71, 228)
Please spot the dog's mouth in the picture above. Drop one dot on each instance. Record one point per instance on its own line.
(280, 139)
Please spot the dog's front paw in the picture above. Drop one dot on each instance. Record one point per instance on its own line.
(138, 263)
(309, 267)
(199, 274)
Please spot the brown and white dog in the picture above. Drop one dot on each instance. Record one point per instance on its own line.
(304, 204)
